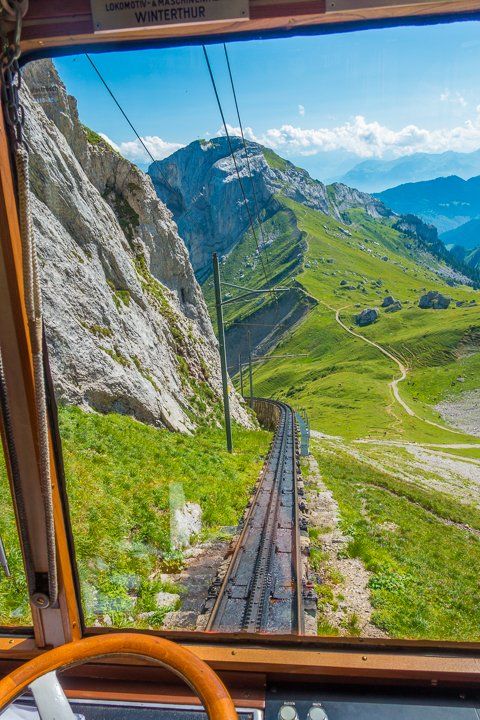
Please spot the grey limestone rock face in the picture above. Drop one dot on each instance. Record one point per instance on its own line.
(344, 198)
(199, 183)
(127, 326)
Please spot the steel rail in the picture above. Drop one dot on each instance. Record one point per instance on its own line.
(263, 587)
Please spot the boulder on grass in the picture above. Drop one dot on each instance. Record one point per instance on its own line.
(389, 300)
(366, 317)
(394, 307)
(434, 300)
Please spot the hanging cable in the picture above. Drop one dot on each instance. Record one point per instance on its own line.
(42, 594)
(255, 198)
(232, 153)
(119, 106)
(140, 139)
(254, 191)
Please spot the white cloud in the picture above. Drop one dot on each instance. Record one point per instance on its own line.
(454, 98)
(301, 110)
(133, 149)
(369, 138)
(232, 130)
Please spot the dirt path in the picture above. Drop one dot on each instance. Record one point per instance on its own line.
(404, 443)
(394, 383)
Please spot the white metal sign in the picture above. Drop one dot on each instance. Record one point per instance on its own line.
(138, 14)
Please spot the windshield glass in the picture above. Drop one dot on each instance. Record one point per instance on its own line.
(314, 204)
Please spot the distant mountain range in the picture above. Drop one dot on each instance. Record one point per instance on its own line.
(468, 257)
(466, 236)
(378, 175)
(446, 202)
(451, 204)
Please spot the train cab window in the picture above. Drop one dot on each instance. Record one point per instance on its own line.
(296, 449)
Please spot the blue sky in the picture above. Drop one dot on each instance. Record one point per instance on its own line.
(323, 102)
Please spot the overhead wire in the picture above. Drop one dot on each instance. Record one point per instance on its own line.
(139, 137)
(249, 168)
(247, 158)
(272, 195)
(232, 152)
(234, 159)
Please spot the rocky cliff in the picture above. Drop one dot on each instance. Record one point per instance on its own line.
(199, 184)
(127, 327)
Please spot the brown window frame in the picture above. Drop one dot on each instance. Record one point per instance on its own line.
(59, 27)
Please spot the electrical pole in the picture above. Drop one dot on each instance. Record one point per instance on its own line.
(240, 368)
(223, 354)
(250, 375)
(219, 303)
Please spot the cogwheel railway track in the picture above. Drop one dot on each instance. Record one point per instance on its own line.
(262, 590)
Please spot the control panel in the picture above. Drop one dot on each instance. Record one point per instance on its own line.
(350, 703)
(288, 711)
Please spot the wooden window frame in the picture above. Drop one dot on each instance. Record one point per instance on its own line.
(58, 27)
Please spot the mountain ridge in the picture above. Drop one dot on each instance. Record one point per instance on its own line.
(200, 185)
(446, 202)
(201, 178)
(376, 175)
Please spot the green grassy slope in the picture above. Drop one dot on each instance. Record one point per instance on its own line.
(343, 383)
(14, 605)
(407, 518)
(406, 539)
(281, 259)
(119, 476)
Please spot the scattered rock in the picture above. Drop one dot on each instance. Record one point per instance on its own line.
(351, 591)
(389, 526)
(177, 619)
(366, 317)
(395, 307)
(434, 300)
(186, 522)
(166, 599)
(343, 282)
(462, 412)
(388, 300)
